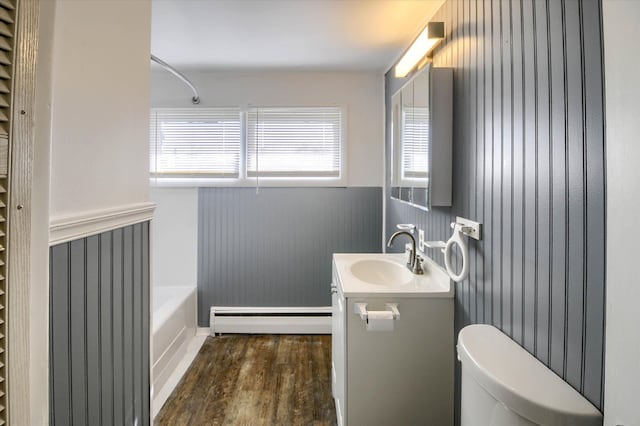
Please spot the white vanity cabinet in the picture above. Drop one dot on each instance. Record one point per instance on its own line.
(399, 377)
(338, 348)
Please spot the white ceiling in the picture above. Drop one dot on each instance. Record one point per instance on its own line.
(334, 35)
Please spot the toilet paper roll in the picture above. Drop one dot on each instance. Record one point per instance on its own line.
(380, 321)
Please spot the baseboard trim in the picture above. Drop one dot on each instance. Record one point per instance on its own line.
(72, 227)
(275, 320)
(203, 331)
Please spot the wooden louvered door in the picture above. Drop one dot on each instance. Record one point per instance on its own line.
(7, 14)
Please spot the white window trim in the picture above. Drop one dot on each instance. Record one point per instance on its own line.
(250, 182)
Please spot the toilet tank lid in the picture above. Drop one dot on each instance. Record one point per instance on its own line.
(521, 382)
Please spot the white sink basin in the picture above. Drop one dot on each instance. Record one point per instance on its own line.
(363, 274)
(381, 272)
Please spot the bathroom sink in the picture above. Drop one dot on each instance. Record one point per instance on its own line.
(364, 274)
(381, 272)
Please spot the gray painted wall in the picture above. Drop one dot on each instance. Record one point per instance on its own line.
(274, 248)
(99, 338)
(528, 164)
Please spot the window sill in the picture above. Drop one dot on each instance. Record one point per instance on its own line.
(247, 183)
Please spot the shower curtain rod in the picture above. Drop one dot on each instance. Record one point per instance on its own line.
(196, 98)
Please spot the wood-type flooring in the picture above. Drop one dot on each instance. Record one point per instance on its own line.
(255, 380)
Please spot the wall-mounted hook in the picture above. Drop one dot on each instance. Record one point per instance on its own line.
(469, 227)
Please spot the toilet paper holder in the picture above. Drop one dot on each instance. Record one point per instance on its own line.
(361, 310)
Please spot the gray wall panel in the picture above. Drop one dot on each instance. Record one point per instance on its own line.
(529, 165)
(98, 337)
(594, 203)
(137, 323)
(118, 327)
(543, 189)
(78, 332)
(274, 248)
(106, 326)
(60, 354)
(127, 323)
(146, 323)
(92, 304)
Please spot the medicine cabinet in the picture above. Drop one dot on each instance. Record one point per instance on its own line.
(421, 164)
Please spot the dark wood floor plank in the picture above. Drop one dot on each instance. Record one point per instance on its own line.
(255, 380)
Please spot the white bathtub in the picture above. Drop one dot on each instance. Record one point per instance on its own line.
(174, 327)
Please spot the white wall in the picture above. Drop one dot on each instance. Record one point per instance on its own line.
(622, 367)
(174, 250)
(99, 156)
(362, 93)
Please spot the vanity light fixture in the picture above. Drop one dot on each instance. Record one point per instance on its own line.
(432, 34)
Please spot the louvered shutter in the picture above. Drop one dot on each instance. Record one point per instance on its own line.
(7, 14)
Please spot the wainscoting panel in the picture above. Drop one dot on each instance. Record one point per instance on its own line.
(100, 329)
(274, 248)
(529, 165)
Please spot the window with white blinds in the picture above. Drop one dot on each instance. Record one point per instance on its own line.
(294, 142)
(415, 143)
(195, 143)
(282, 143)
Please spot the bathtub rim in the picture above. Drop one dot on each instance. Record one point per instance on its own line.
(162, 313)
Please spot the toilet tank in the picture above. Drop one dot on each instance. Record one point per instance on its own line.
(504, 385)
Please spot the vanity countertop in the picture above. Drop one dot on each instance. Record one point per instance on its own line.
(385, 275)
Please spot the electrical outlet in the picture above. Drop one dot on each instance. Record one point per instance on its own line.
(421, 239)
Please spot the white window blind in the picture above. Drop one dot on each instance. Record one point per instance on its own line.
(415, 143)
(202, 142)
(294, 142)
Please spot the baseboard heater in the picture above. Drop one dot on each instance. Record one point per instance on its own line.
(270, 320)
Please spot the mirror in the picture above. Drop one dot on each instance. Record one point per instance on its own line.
(421, 139)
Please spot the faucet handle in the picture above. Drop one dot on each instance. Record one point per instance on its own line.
(408, 249)
(417, 267)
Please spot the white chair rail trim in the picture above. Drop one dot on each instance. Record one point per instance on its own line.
(72, 227)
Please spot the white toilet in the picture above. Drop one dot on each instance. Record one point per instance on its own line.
(504, 385)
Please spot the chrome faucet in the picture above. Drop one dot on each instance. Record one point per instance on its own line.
(414, 260)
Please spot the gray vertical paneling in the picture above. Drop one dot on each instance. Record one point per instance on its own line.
(518, 211)
(529, 176)
(543, 236)
(594, 232)
(558, 197)
(117, 326)
(92, 303)
(273, 248)
(575, 194)
(106, 326)
(78, 332)
(127, 323)
(529, 165)
(472, 50)
(506, 166)
(136, 309)
(60, 341)
(146, 320)
(496, 159)
(99, 329)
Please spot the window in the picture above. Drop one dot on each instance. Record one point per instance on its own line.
(203, 142)
(267, 143)
(294, 142)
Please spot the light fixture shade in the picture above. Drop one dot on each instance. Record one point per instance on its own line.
(432, 34)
